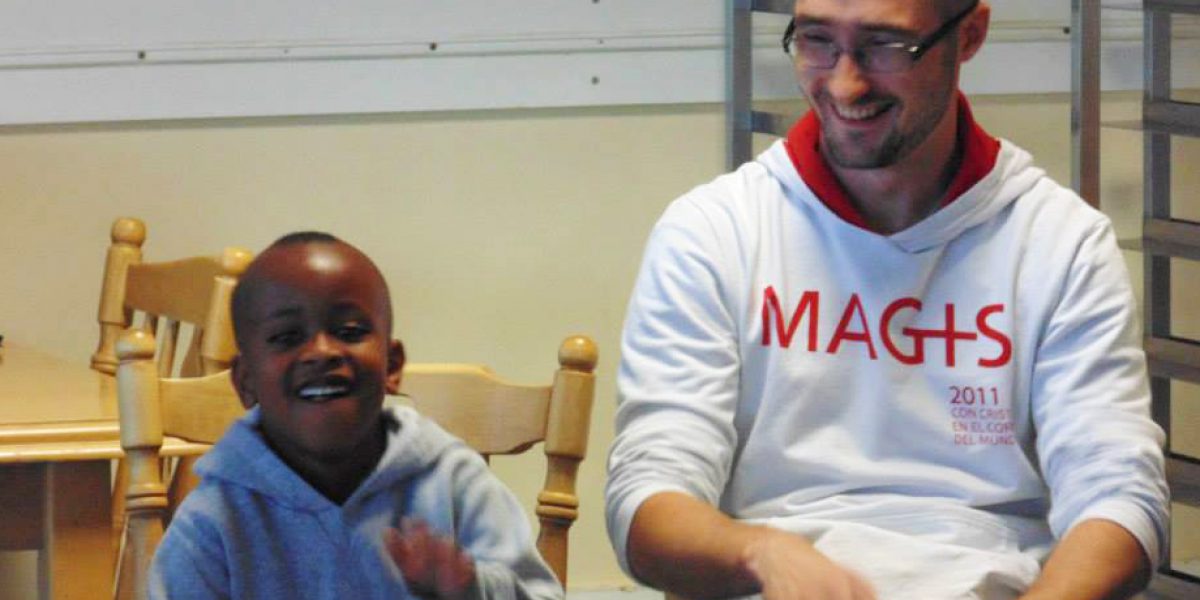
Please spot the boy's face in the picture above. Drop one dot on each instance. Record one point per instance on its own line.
(316, 352)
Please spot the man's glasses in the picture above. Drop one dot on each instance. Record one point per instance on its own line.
(894, 57)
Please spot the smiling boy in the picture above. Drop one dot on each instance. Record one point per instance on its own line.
(321, 492)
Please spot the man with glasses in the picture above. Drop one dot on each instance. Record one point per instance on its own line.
(889, 358)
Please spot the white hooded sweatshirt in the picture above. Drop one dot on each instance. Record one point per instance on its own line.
(932, 408)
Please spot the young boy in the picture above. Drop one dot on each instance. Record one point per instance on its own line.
(303, 496)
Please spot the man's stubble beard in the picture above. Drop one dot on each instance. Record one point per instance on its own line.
(898, 144)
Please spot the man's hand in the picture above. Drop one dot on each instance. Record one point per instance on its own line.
(787, 567)
(687, 547)
(433, 565)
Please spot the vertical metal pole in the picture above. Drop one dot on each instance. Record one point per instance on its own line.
(738, 82)
(1157, 88)
(1085, 99)
(1157, 205)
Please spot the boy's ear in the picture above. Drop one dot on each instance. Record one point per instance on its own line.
(394, 366)
(245, 392)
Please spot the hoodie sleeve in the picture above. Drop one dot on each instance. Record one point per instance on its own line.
(678, 379)
(493, 529)
(1099, 450)
(190, 562)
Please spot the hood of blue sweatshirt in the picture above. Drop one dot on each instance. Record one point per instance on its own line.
(242, 458)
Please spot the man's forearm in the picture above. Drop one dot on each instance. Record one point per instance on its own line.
(687, 547)
(1097, 560)
(680, 544)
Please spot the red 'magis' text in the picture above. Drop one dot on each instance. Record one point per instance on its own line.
(857, 327)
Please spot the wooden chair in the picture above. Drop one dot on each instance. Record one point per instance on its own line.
(197, 409)
(497, 417)
(492, 416)
(164, 296)
(193, 291)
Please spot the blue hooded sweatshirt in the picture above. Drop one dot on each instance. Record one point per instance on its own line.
(255, 529)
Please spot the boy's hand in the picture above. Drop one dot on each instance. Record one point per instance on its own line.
(433, 566)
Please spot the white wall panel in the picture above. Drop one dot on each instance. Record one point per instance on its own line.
(67, 61)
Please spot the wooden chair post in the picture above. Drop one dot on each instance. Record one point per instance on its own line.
(141, 439)
(566, 445)
(127, 236)
(218, 347)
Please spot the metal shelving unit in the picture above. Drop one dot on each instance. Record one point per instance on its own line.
(1164, 238)
(1085, 93)
(1085, 100)
(741, 120)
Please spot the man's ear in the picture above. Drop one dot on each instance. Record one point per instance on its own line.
(395, 366)
(241, 383)
(973, 31)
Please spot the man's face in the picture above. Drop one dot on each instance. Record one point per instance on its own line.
(316, 353)
(874, 120)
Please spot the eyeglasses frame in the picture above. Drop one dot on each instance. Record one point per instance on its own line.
(915, 50)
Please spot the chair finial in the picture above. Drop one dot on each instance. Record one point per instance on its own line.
(135, 344)
(578, 352)
(127, 230)
(234, 260)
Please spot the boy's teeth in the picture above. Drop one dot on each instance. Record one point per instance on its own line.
(322, 391)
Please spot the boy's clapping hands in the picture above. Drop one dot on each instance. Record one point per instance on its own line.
(433, 565)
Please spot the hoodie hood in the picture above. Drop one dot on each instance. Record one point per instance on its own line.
(1012, 176)
(242, 458)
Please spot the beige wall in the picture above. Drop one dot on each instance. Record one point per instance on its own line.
(500, 232)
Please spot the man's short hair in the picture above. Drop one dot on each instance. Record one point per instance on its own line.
(951, 8)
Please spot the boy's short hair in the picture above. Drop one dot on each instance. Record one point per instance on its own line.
(241, 293)
(305, 237)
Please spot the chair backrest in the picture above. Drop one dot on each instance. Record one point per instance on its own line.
(197, 409)
(191, 299)
(497, 417)
(491, 415)
(193, 291)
